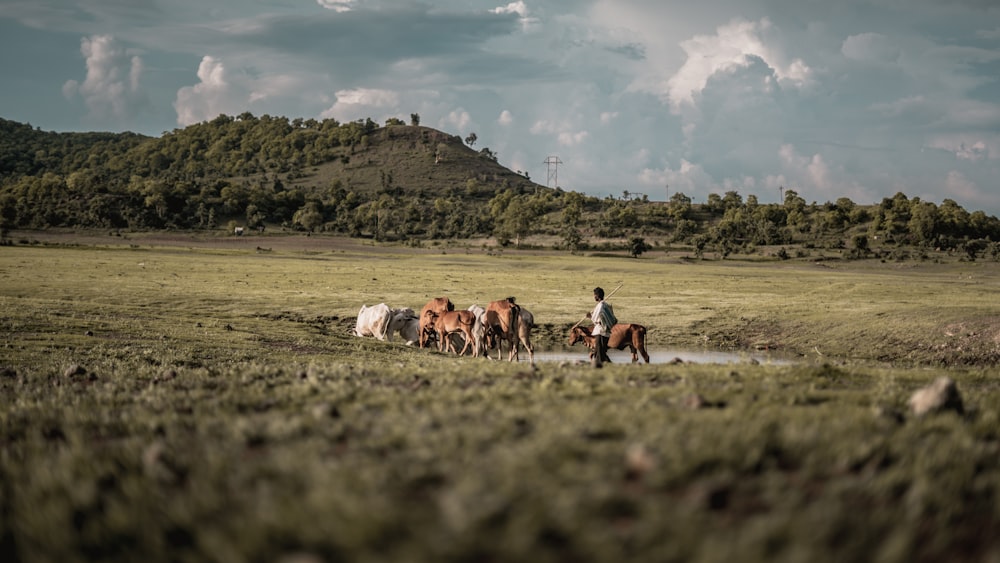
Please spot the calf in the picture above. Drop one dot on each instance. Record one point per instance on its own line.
(405, 322)
(622, 335)
(436, 305)
(451, 322)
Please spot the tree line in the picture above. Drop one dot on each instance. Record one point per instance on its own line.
(244, 170)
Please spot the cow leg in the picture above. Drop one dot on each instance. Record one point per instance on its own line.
(530, 349)
(465, 343)
(512, 354)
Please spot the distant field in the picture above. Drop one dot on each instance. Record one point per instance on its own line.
(222, 410)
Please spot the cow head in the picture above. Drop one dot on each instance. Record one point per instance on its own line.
(577, 334)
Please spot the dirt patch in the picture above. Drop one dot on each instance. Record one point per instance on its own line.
(973, 342)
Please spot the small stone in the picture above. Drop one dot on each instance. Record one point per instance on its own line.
(326, 410)
(695, 401)
(638, 461)
(74, 370)
(941, 395)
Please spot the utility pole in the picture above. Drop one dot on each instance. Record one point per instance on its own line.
(553, 163)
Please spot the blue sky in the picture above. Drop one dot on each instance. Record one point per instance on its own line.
(853, 98)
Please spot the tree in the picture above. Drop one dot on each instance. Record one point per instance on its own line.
(860, 246)
(488, 154)
(471, 139)
(414, 119)
(513, 215)
(637, 245)
(680, 206)
(309, 217)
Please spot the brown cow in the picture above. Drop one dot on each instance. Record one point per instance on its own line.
(524, 326)
(502, 325)
(436, 305)
(451, 322)
(622, 335)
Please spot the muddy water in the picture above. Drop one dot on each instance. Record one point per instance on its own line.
(664, 356)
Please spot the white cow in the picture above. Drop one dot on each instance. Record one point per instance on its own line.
(405, 322)
(373, 321)
(479, 331)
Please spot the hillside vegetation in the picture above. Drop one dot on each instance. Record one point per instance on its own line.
(409, 183)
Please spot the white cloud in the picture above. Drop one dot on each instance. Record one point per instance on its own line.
(337, 5)
(815, 180)
(506, 118)
(608, 117)
(373, 97)
(569, 139)
(968, 147)
(217, 92)
(111, 88)
(737, 44)
(962, 189)
(689, 178)
(355, 103)
(542, 127)
(518, 8)
(458, 119)
(870, 47)
(976, 151)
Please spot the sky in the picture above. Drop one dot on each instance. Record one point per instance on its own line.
(850, 98)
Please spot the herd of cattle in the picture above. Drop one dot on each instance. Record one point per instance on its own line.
(501, 324)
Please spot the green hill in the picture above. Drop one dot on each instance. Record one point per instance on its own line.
(409, 183)
(254, 171)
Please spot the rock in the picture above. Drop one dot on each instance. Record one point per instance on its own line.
(323, 411)
(7, 371)
(638, 461)
(74, 370)
(941, 395)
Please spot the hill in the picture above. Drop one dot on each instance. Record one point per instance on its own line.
(252, 171)
(409, 183)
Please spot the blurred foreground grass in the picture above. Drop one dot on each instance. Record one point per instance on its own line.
(223, 412)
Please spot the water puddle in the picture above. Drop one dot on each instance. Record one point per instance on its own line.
(663, 356)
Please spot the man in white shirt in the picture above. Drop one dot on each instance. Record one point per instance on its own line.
(604, 318)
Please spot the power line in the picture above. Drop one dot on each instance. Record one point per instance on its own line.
(553, 163)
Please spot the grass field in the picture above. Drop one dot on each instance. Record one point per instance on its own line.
(221, 409)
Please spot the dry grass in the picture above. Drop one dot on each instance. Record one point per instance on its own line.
(226, 413)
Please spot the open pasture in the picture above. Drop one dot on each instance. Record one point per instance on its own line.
(223, 411)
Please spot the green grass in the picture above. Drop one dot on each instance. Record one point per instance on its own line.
(226, 413)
